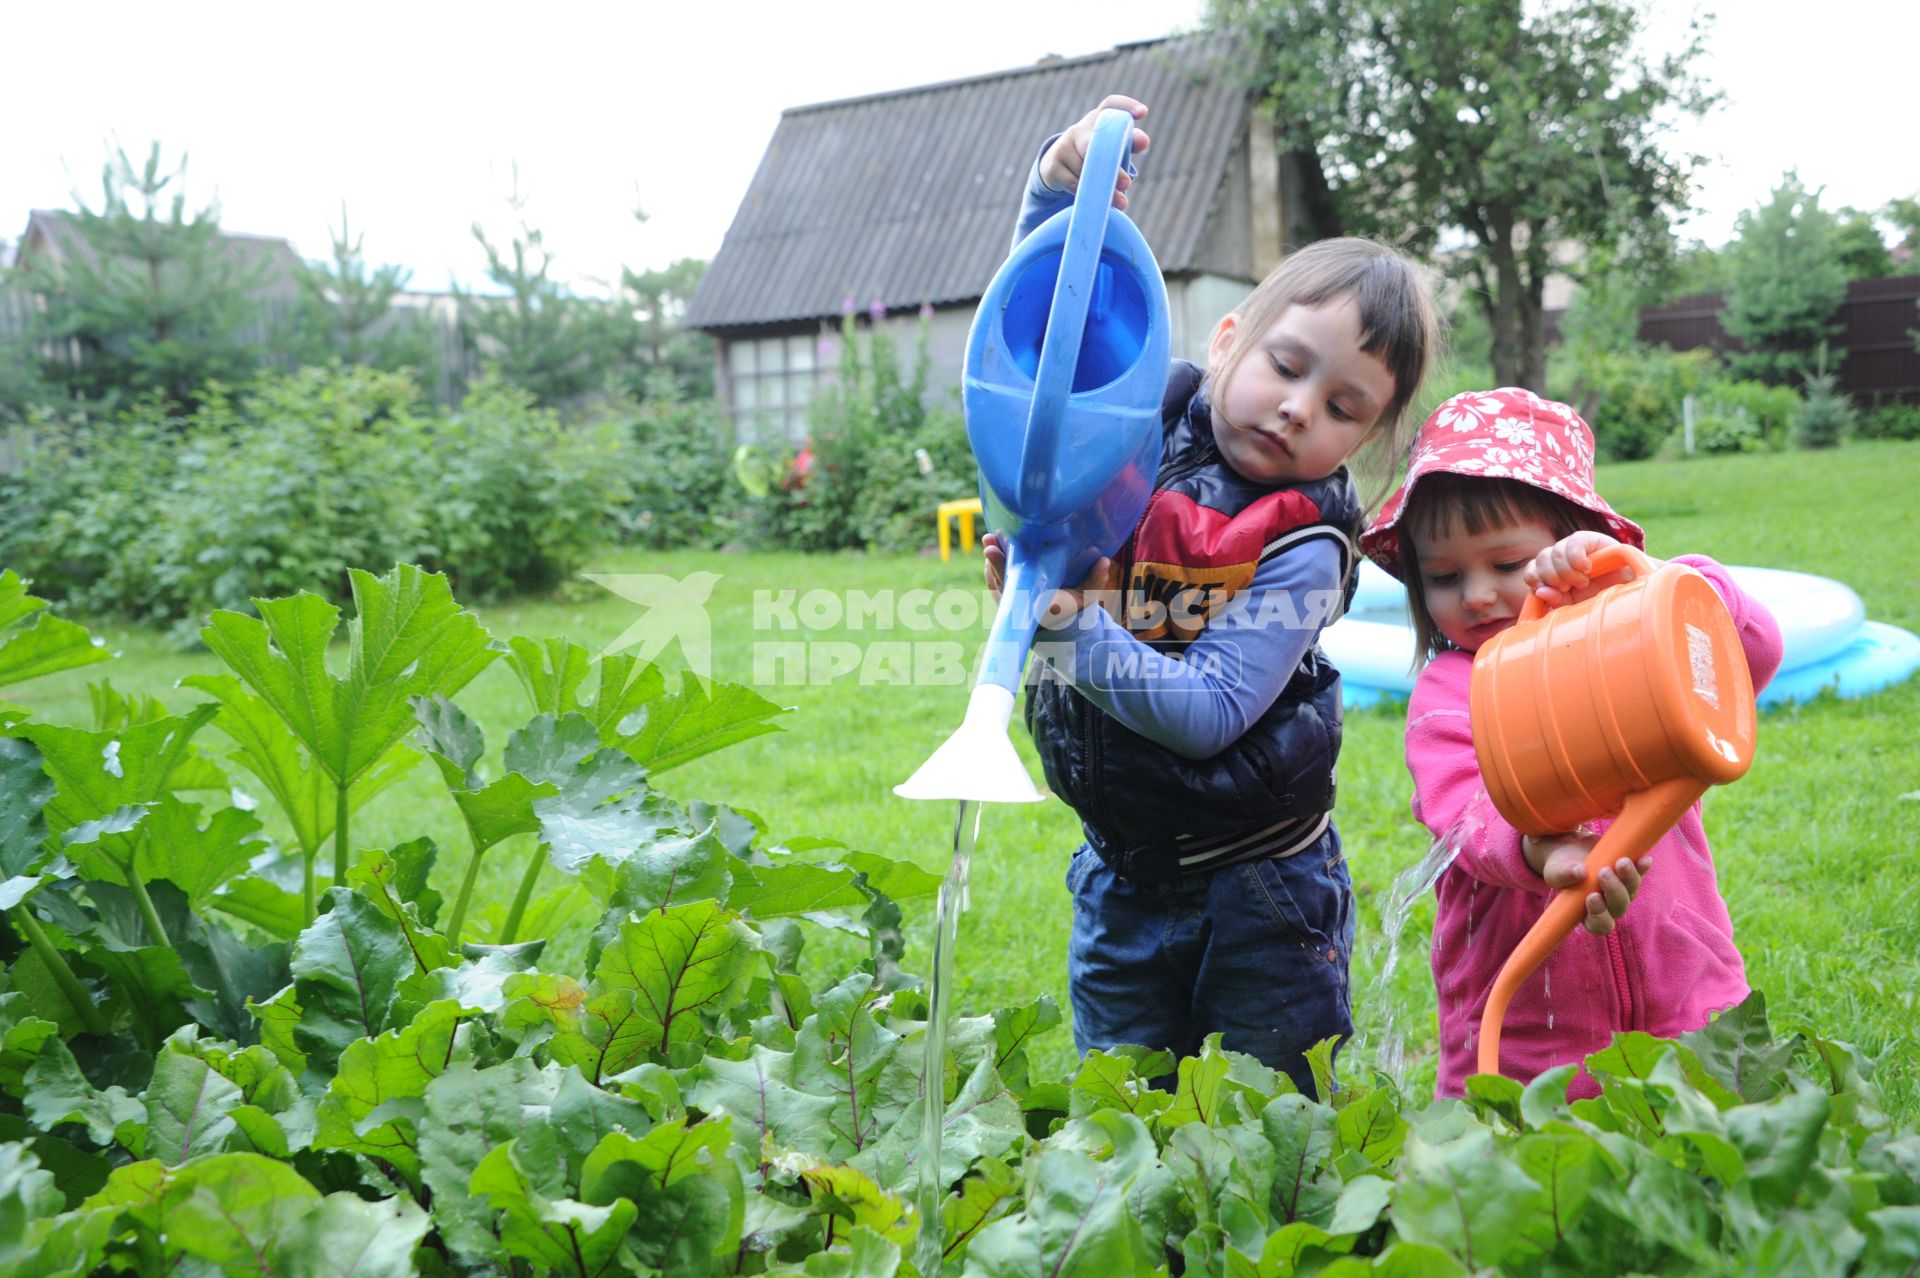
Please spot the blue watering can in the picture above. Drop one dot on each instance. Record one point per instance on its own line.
(1065, 369)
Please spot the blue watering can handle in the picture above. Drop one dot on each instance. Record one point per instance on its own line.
(1067, 319)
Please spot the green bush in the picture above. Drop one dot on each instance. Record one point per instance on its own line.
(78, 500)
(684, 492)
(1634, 399)
(287, 489)
(1723, 428)
(1742, 416)
(1889, 420)
(518, 496)
(896, 509)
(159, 517)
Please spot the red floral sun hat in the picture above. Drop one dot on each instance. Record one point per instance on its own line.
(1508, 433)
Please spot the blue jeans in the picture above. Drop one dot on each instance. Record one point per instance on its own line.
(1257, 952)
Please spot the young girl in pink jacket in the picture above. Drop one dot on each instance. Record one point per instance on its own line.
(1499, 501)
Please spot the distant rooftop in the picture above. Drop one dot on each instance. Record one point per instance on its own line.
(909, 196)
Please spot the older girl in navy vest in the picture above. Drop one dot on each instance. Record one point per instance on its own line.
(1189, 718)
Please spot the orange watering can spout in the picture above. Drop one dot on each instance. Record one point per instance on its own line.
(1646, 816)
(1629, 704)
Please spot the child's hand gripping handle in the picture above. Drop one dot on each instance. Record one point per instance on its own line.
(1073, 293)
(1643, 819)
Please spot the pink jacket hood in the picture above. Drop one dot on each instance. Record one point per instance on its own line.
(1667, 967)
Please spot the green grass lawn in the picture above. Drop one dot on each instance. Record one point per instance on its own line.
(1819, 848)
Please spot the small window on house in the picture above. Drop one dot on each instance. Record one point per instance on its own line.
(771, 381)
(744, 363)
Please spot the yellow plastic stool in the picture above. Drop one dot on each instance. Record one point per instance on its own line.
(962, 512)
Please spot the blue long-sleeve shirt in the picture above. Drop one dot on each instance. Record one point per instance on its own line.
(1199, 704)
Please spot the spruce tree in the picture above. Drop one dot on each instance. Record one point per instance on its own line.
(145, 296)
(1785, 281)
(537, 333)
(346, 312)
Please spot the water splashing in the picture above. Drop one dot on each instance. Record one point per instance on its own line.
(1412, 884)
(931, 1245)
(1408, 888)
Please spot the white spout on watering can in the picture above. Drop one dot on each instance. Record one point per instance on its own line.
(1065, 368)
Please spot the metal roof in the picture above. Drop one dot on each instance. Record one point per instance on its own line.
(909, 197)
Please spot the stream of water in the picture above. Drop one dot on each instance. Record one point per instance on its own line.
(1413, 883)
(953, 902)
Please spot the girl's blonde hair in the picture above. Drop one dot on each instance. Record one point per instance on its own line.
(1398, 323)
(1442, 501)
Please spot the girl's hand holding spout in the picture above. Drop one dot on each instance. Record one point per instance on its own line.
(1561, 859)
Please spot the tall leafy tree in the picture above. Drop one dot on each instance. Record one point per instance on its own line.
(144, 295)
(1861, 247)
(1785, 281)
(1904, 215)
(1514, 132)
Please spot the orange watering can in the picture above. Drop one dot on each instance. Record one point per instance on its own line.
(1626, 705)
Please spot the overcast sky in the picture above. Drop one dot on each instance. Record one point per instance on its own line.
(415, 115)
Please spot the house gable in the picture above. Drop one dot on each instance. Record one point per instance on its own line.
(898, 209)
(907, 198)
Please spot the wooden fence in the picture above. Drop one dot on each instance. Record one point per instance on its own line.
(1877, 323)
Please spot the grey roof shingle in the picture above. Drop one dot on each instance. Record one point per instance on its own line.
(909, 197)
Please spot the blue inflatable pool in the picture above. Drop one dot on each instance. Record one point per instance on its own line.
(1829, 641)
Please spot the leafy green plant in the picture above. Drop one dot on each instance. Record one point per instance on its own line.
(1740, 416)
(1889, 420)
(359, 1090)
(46, 645)
(1724, 428)
(408, 639)
(1634, 399)
(684, 492)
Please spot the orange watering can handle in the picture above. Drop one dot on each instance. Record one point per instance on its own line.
(1643, 819)
(1601, 562)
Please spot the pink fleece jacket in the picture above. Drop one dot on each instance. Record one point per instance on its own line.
(1669, 964)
